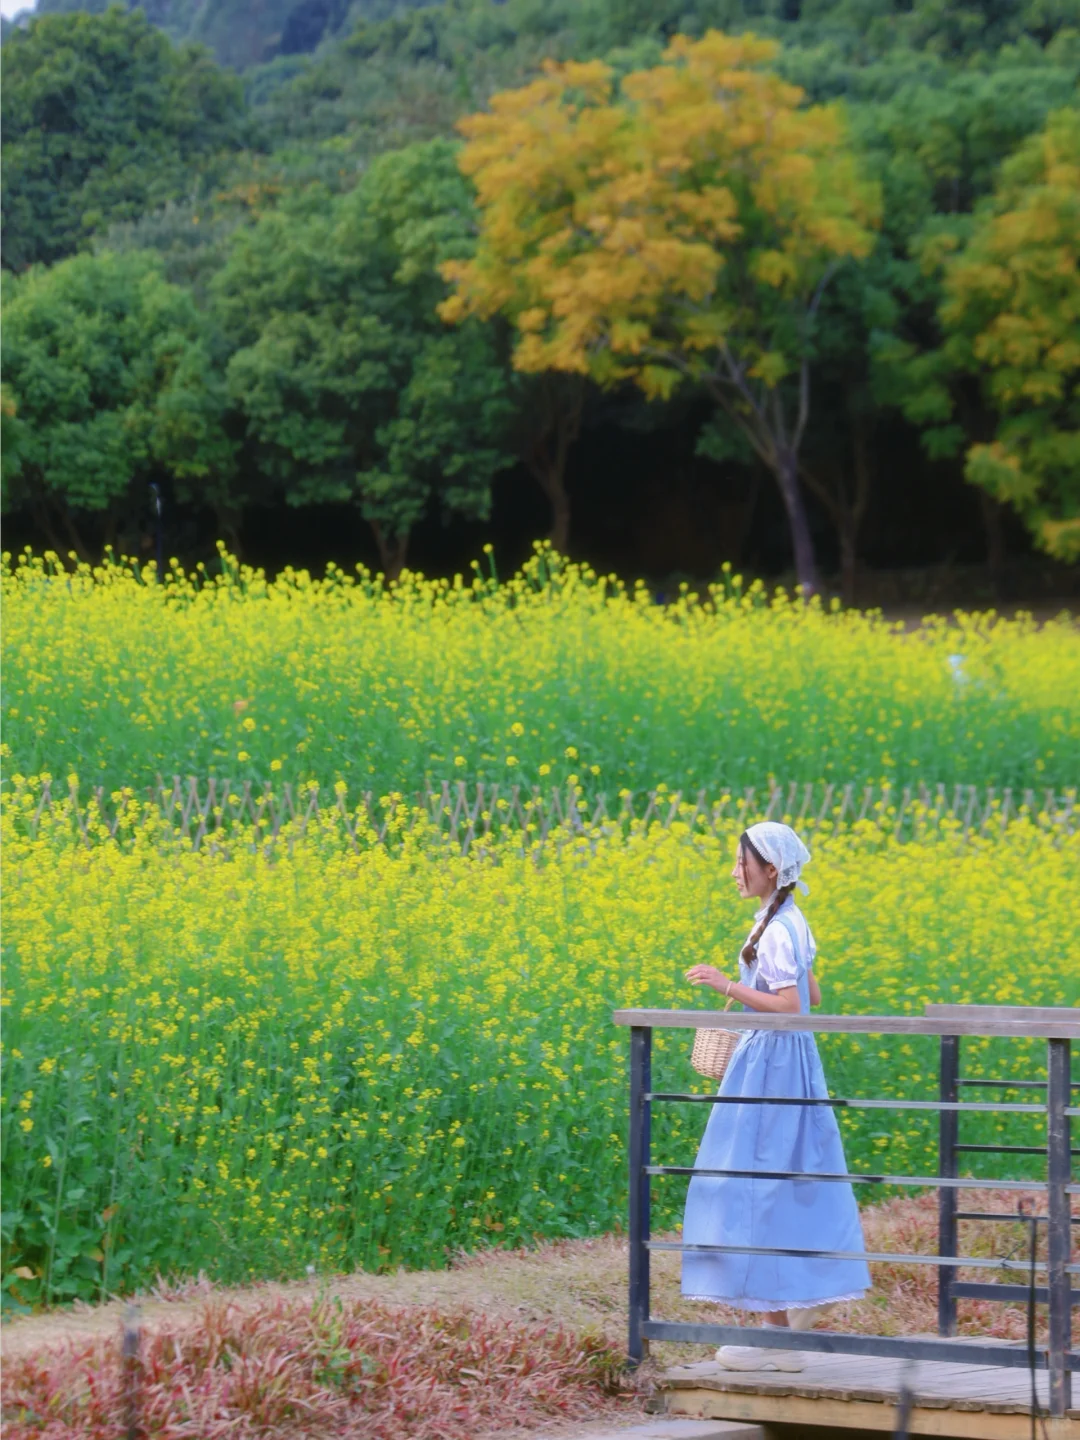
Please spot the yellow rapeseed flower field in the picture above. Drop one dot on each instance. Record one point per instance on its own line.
(248, 1061)
(556, 672)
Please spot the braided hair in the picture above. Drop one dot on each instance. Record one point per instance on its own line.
(749, 950)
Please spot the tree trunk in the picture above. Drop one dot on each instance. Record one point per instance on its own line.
(561, 399)
(861, 431)
(43, 519)
(846, 504)
(112, 519)
(228, 519)
(849, 563)
(787, 476)
(551, 481)
(995, 541)
(392, 550)
(74, 538)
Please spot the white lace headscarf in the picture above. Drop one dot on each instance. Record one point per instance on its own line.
(781, 847)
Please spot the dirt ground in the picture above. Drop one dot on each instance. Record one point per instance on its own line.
(579, 1283)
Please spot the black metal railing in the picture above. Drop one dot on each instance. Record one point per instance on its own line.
(1058, 1028)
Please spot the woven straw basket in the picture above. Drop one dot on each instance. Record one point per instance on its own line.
(713, 1049)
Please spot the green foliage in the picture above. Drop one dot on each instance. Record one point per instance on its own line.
(112, 385)
(102, 120)
(116, 140)
(937, 148)
(1011, 313)
(349, 384)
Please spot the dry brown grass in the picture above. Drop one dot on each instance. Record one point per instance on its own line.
(582, 1284)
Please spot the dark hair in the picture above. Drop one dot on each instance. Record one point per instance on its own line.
(749, 950)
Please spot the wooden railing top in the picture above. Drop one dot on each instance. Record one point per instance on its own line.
(1004, 1012)
(1061, 1028)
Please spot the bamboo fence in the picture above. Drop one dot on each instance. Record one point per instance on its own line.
(220, 812)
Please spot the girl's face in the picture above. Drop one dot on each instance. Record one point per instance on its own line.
(751, 877)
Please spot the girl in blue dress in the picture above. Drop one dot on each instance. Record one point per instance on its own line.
(775, 976)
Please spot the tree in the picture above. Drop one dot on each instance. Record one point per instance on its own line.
(937, 145)
(351, 387)
(1011, 317)
(102, 120)
(112, 386)
(683, 225)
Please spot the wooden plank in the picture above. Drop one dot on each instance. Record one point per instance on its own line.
(1069, 1013)
(836, 1414)
(969, 1386)
(1062, 1029)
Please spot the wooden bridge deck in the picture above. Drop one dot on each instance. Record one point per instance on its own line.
(848, 1392)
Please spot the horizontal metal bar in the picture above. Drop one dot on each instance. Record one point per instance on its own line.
(973, 1290)
(1010, 1107)
(999, 1215)
(938, 1182)
(1007, 1084)
(886, 1257)
(1003, 1149)
(848, 1024)
(1010, 1149)
(956, 1352)
(1006, 1215)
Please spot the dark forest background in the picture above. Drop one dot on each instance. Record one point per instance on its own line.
(177, 177)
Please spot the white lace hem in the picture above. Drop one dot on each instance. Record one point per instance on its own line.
(766, 1305)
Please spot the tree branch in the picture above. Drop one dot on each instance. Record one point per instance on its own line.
(804, 365)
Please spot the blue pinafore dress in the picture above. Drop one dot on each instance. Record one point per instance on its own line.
(796, 1214)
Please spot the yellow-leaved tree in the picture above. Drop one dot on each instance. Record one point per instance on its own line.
(681, 223)
(1011, 315)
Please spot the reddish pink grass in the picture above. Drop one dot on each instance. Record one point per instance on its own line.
(328, 1369)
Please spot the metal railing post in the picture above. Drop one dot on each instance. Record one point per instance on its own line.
(1058, 1176)
(948, 1132)
(640, 1117)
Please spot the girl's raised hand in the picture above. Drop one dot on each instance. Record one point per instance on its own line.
(709, 975)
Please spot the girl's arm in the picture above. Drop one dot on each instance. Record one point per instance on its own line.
(783, 1002)
(815, 989)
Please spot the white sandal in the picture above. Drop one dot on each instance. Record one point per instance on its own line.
(755, 1357)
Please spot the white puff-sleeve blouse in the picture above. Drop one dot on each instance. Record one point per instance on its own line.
(775, 962)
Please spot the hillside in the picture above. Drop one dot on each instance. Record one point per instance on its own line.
(242, 33)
